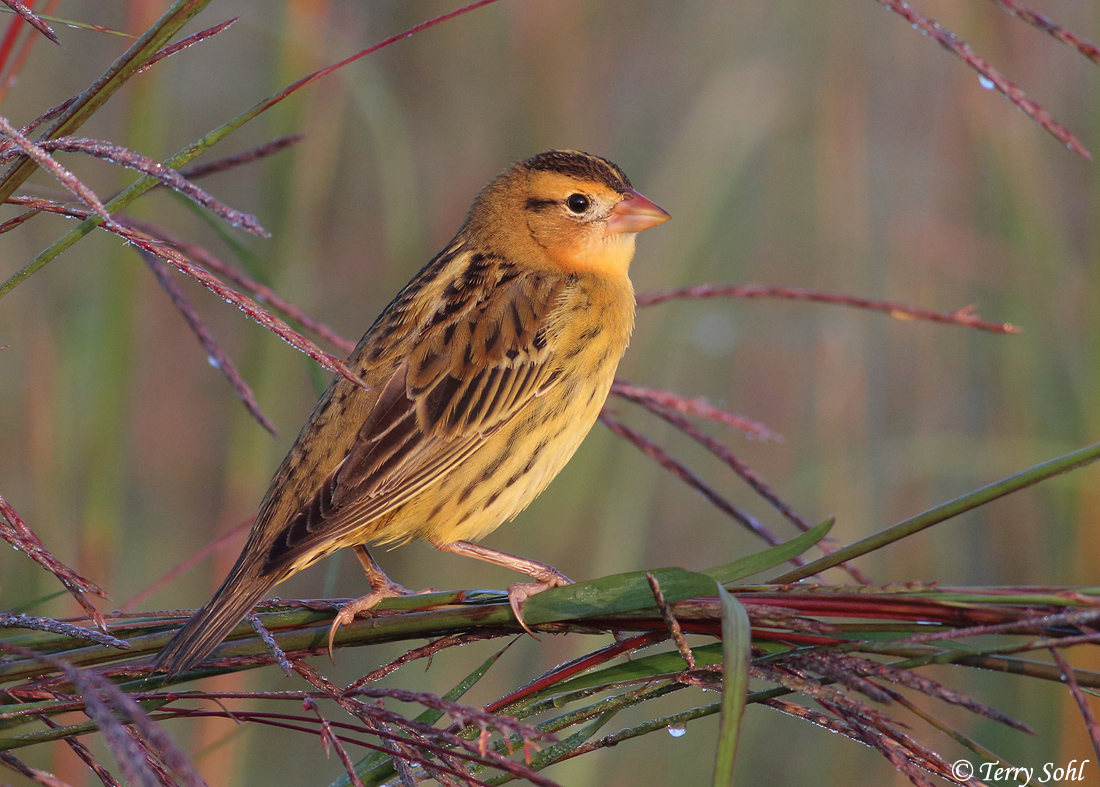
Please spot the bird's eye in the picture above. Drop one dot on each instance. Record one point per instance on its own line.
(578, 203)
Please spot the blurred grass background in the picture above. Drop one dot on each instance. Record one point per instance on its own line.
(827, 146)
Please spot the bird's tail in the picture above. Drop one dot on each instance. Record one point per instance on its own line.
(244, 586)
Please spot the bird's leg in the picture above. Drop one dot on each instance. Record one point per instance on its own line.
(382, 587)
(545, 576)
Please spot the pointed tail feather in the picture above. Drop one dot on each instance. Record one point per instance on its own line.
(210, 625)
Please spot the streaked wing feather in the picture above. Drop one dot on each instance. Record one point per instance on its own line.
(437, 408)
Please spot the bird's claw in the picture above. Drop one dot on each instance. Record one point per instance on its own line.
(348, 612)
(521, 591)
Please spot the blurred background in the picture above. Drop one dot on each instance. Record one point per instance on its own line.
(818, 145)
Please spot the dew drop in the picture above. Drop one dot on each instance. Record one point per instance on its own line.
(985, 82)
(210, 359)
(677, 730)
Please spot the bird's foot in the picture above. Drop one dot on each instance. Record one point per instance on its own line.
(545, 576)
(521, 591)
(348, 612)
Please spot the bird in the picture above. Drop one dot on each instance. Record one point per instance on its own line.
(481, 379)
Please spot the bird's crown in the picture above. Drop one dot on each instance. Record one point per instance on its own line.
(580, 165)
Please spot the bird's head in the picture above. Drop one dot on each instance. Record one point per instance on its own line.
(573, 210)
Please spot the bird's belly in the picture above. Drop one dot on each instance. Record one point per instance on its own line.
(505, 474)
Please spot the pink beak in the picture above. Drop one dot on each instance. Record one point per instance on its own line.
(634, 214)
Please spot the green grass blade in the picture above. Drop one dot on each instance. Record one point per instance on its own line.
(70, 730)
(664, 723)
(736, 651)
(615, 594)
(769, 558)
(933, 516)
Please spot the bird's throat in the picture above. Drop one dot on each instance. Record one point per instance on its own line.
(609, 256)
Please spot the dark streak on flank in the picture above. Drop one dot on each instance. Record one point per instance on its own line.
(574, 351)
(593, 332)
(491, 468)
(438, 509)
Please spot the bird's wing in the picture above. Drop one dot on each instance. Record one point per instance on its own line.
(478, 361)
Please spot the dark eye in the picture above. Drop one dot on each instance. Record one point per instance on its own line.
(578, 203)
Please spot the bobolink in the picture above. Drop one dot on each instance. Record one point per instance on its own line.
(485, 373)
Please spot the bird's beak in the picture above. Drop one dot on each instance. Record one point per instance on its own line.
(634, 214)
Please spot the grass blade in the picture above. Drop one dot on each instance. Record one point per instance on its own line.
(769, 558)
(933, 516)
(736, 650)
(615, 594)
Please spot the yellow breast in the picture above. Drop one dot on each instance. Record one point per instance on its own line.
(588, 333)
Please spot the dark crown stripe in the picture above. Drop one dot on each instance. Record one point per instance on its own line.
(582, 165)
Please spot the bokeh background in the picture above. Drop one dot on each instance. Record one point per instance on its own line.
(819, 145)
